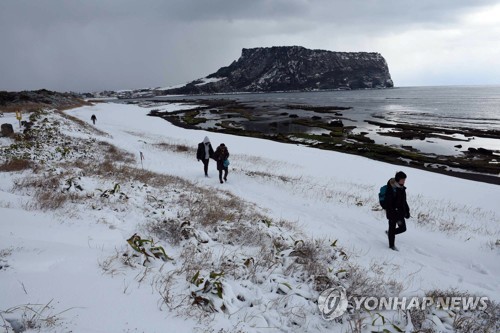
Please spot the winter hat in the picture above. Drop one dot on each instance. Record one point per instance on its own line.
(400, 175)
(206, 140)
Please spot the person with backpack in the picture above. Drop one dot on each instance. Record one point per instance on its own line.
(204, 153)
(221, 155)
(393, 199)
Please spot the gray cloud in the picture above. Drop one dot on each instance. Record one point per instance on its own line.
(95, 44)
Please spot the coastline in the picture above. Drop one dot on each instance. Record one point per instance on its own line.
(226, 116)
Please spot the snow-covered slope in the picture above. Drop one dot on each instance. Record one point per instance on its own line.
(64, 264)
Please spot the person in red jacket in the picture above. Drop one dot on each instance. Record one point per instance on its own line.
(397, 209)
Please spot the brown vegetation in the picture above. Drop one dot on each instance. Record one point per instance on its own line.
(15, 165)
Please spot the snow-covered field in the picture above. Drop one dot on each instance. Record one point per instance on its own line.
(69, 268)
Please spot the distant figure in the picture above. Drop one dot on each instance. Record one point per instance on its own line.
(221, 156)
(397, 209)
(204, 153)
(93, 118)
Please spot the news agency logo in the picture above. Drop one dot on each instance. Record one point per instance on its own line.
(332, 303)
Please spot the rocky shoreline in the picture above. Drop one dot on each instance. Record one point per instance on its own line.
(322, 127)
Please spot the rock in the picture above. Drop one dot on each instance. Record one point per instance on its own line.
(292, 68)
(458, 146)
(484, 151)
(336, 123)
(7, 130)
(315, 117)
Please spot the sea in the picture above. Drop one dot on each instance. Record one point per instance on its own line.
(475, 107)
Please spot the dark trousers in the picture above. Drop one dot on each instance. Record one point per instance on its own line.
(205, 165)
(393, 231)
(225, 174)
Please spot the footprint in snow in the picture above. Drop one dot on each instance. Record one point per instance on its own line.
(422, 252)
(479, 268)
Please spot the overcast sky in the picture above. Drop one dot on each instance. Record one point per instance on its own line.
(94, 45)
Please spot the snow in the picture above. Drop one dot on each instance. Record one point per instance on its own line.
(206, 80)
(172, 87)
(58, 261)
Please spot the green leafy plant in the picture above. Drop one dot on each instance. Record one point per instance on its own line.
(112, 192)
(211, 285)
(266, 222)
(73, 182)
(64, 151)
(147, 248)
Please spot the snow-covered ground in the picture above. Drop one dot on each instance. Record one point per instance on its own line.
(57, 264)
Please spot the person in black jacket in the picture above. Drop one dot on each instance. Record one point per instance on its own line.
(221, 155)
(204, 153)
(93, 118)
(397, 209)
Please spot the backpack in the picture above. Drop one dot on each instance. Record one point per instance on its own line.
(225, 163)
(381, 196)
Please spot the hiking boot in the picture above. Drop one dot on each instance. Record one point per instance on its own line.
(394, 248)
(225, 179)
(221, 181)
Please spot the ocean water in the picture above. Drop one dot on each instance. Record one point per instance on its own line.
(475, 107)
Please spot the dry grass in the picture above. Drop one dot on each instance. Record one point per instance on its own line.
(177, 148)
(362, 283)
(27, 107)
(80, 122)
(15, 165)
(208, 207)
(168, 229)
(470, 321)
(268, 176)
(46, 200)
(32, 317)
(115, 154)
(118, 169)
(126, 173)
(75, 104)
(47, 182)
(309, 255)
(47, 192)
(195, 260)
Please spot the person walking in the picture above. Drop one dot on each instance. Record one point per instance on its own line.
(93, 118)
(204, 153)
(221, 156)
(397, 209)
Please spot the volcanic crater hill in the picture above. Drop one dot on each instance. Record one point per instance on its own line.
(25, 100)
(294, 68)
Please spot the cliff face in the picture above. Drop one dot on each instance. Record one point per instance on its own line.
(294, 68)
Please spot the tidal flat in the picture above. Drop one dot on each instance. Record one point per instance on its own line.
(437, 149)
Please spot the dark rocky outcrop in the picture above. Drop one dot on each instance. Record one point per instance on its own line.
(6, 130)
(38, 98)
(294, 68)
